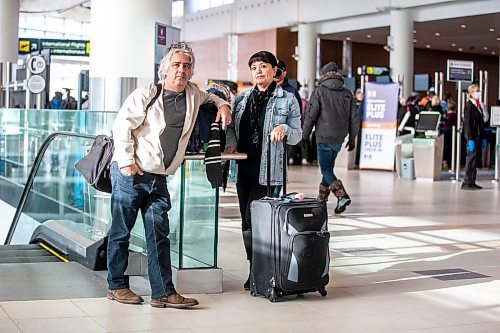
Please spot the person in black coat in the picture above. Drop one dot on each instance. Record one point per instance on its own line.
(293, 151)
(332, 112)
(473, 127)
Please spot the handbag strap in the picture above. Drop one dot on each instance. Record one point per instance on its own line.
(155, 97)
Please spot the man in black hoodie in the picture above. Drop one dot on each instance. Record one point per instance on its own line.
(332, 111)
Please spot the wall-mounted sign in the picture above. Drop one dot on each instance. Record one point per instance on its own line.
(36, 64)
(373, 70)
(459, 70)
(165, 35)
(36, 84)
(56, 46)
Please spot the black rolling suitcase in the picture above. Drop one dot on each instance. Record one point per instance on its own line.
(290, 252)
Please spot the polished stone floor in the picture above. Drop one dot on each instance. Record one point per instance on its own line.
(406, 256)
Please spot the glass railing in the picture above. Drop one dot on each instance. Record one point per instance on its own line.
(61, 195)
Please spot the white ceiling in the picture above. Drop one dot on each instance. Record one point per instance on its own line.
(474, 38)
(76, 10)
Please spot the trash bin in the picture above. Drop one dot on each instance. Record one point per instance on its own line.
(428, 154)
(408, 168)
(404, 149)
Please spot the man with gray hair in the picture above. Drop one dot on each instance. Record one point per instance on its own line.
(150, 136)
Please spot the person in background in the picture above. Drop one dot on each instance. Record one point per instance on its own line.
(435, 105)
(149, 145)
(85, 102)
(294, 151)
(473, 127)
(69, 103)
(332, 111)
(56, 102)
(264, 110)
(423, 103)
(360, 106)
(412, 107)
(282, 80)
(401, 110)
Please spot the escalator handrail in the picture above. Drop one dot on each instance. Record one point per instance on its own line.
(29, 182)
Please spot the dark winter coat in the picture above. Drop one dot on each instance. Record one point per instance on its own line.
(332, 111)
(473, 121)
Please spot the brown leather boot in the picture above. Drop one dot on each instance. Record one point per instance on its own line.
(125, 295)
(324, 192)
(343, 200)
(174, 301)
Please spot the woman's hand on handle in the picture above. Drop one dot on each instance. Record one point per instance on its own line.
(277, 134)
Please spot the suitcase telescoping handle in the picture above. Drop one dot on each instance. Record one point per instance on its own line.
(269, 194)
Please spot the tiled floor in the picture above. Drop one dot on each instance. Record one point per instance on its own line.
(407, 256)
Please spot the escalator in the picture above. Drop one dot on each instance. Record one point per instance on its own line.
(51, 250)
(28, 253)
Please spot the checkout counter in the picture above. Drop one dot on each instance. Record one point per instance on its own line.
(428, 146)
(420, 154)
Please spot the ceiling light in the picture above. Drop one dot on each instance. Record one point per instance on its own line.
(428, 46)
(414, 31)
(368, 36)
(493, 52)
(414, 40)
(492, 30)
(348, 38)
(498, 38)
(437, 34)
(485, 48)
(453, 44)
(463, 26)
(460, 49)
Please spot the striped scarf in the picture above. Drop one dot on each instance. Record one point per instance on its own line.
(213, 161)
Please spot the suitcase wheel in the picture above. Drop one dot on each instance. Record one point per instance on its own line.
(272, 296)
(253, 293)
(322, 291)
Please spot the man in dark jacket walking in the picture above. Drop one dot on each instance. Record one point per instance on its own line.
(332, 111)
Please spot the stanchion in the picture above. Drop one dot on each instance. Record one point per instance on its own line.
(453, 145)
(459, 130)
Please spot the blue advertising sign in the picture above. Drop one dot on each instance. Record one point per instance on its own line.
(378, 130)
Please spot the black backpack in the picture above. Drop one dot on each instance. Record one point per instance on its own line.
(95, 166)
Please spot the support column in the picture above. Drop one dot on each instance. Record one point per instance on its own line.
(232, 49)
(401, 45)
(9, 25)
(122, 48)
(307, 53)
(347, 58)
(232, 58)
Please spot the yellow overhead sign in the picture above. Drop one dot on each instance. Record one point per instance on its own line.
(24, 45)
(68, 47)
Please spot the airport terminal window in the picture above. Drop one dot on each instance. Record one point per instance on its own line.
(177, 8)
(206, 4)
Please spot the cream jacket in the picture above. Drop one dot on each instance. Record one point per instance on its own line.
(136, 132)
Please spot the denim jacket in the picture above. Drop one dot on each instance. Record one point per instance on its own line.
(282, 109)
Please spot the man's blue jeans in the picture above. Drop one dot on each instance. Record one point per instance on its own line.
(327, 153)
(149, 194)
